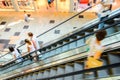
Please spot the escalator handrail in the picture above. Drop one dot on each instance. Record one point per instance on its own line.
(81, 37)
(83, 29)
(37, 70)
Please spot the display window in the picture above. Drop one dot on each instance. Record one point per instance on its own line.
(82, 4)
(25, 4)
(83, 1)
(6, 4)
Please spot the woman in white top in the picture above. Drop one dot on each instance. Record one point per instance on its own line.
(34, 40)
(30, 48)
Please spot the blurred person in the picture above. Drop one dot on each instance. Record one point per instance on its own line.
(26, 17)
(35, 42)
(30, 48)
(50, 3)
(16, 54)
(100, 8)
(95, 46)
(95, 43)
(102, 12)
(91, 2)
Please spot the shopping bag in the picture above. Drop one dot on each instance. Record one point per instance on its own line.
(92, 63)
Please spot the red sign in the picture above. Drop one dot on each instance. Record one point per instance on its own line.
(84, 1)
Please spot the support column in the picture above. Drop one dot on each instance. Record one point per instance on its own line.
(15, 5)
(35, 5)
(71, 6)
(56, 5)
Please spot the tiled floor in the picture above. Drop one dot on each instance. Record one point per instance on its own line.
(15, 27)
(2, 46)
(4, 43)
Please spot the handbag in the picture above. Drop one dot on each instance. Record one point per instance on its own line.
(92, 63)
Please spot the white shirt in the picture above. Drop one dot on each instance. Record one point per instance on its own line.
(93, 46)
(100, 8)
(26, 18)
(16, 53)
(31, 47)
(36, 42)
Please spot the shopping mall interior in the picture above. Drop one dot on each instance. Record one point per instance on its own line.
(62, 29)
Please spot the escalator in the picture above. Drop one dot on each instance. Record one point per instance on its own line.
(67, 54)
(74, 70)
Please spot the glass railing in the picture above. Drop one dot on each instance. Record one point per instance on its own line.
(5, 58)
(79, 21)
(77, 46)
(76, 50)
(82, 48)
(80, 42)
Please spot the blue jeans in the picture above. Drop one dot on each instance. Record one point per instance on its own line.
(19, 59)
(101, 25)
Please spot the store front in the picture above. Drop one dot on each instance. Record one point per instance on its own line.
(82, 4)
(16, 5)
(52, 5)
(6, 4)
(25, 4)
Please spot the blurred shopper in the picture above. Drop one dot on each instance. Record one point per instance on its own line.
(50, 3)
(95, 49)
(102, 12)
(30, 48)
(99, 13)
(26, 17)
(16, 54)
(91, 2)
(35, 42)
